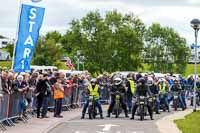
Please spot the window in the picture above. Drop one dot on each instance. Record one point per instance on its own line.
(4, 42)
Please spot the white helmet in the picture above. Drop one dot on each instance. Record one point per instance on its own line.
(117, 81)
(93, 81)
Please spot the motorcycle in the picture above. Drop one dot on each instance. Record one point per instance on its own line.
(175, 100)
(117, 107)
(151, 101)
(142, 107)
(92, 110)
(198, 97)
(162, 103)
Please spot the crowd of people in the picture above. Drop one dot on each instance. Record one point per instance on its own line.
(134, 85)
(40, 89)
(37, 90)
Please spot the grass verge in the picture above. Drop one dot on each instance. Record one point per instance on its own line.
(190, 124)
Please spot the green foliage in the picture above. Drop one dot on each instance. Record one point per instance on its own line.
(7, 64)
(165, 50)
(60, 65)
(190, 124)
(48, 50)
(109, 44)
(1, 37)
(9, 48)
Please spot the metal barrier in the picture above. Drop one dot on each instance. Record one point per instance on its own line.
(66, 101)
(10, 110)
(105, 94)
(4, 111)
(14, 106)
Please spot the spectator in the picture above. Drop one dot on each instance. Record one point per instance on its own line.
(74, 90)
(32, 88)
(43, 91)
(21, 88)
(58, 96)
(11, 82)
(4, 83)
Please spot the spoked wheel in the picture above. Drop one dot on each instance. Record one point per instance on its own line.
(90, 113)
(175, 105)
(141, 113)
(116, 113)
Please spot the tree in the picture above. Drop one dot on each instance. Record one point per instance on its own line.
(165, 50)
(9, 48)
(1, 37)
(48, 50)
(109, 43)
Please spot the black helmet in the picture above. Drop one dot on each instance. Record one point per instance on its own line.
(141, 80)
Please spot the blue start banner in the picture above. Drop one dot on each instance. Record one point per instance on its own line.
(31, 18)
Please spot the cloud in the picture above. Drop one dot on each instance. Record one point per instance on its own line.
(172, 13)
(194, 2)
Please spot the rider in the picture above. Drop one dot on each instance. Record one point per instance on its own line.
(142, 90)
(154, 89)
(93, 89)
(177, 88)
(130, 92)
(118, 86)
(163, 95)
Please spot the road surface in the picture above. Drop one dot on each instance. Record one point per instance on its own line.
(109, 125)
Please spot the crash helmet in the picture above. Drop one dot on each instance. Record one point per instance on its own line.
(93, 81)
(141, 80)
(117, 81)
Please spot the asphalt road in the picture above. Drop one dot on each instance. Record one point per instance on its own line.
(109, 125)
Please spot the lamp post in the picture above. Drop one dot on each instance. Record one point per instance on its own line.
(82, 61)
(78, 59)
(195, 24)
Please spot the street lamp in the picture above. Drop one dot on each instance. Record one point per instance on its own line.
(195, 24)
(82, 61)
(79, 60)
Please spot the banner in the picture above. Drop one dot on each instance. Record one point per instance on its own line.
(30, 21)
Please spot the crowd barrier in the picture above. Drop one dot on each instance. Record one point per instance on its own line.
(74, 98)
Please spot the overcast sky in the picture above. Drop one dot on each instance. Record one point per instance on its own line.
(173, 13)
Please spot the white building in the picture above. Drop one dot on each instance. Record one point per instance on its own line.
(4, 55)
(5, 41)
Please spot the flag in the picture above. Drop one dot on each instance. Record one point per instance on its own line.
(69, 64)
(30, 22)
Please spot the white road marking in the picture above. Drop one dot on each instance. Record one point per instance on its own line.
(107, 127)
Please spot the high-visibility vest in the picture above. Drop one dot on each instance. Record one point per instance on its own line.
(57, 93)
(94, 92)
(132, 85)
(163, 88)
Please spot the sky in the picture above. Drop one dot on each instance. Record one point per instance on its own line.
(59, 13)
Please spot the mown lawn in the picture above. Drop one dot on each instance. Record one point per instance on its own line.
(7, 64)
(190, 70)
(190, 124)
